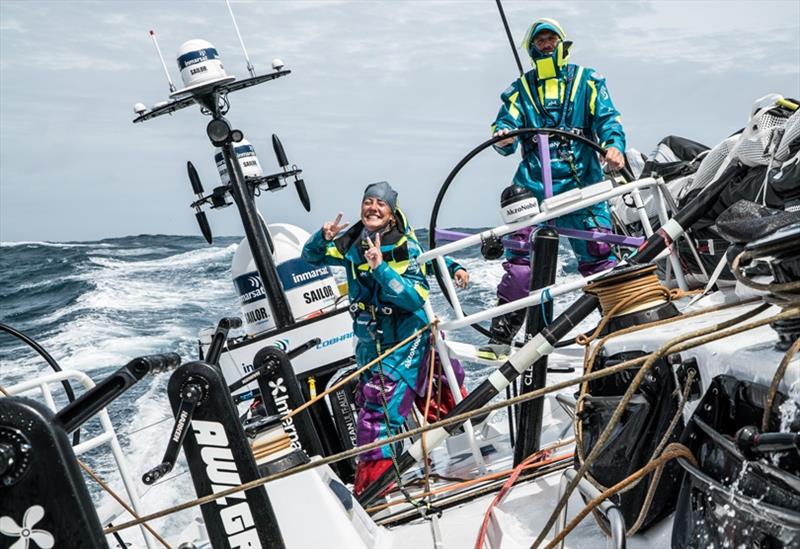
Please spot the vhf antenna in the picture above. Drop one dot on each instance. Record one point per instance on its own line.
(172, 87)
(250, 68)
(510, 37)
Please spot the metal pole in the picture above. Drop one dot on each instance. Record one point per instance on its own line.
(455, 390)
(257, 239)
(544, 261)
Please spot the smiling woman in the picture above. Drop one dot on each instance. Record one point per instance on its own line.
(387, 288)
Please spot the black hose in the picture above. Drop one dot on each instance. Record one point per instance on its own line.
(76, 436)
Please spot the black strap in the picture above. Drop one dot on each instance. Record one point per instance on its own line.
(353, 235)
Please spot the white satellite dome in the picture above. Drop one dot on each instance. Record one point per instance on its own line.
(246, 155)
(200, 65)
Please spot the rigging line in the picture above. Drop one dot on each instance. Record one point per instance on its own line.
(387, 422)
(454, 420)
(364, 368)
(168, 479)
(589, 359)
(447, 502)
(532, 460)
(336, 386)
(466, 483)
(651, 490)
(776, 381)
(148, 426)
(654, 481)
(670, 346)
(775, 287)
(673, 451)
(431, 366)
(122, 502)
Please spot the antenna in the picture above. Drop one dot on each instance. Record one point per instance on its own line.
(172, 87)
(250, 68)
(510, 37)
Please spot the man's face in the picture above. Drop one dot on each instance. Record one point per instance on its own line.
(546, 41)
(375, 213)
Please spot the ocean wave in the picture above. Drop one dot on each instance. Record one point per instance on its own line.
(193, 258)
(46, 244)
(134, 252)
(47, 286)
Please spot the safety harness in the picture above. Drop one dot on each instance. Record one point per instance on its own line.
(531, 81)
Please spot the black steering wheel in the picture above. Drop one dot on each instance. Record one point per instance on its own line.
(472, 154)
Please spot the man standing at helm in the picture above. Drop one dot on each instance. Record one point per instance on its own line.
(555, 94)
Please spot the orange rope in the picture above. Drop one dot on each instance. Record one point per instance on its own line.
(610, 295)
(507, 485)
(427, 409)
(471, 482)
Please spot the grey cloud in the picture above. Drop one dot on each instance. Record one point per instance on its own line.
(395, 90)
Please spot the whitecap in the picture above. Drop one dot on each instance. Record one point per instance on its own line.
(54, 244)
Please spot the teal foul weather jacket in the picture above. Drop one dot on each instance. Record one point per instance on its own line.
(574, 99)
(386, 304)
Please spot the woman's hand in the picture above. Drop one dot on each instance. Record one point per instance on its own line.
(373, 255)
(331, 228)
(461, 278)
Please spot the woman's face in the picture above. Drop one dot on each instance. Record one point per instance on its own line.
(375, 213)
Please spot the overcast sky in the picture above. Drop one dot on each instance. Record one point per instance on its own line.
(394, 90)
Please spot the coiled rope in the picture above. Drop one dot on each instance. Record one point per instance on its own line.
(621, 296)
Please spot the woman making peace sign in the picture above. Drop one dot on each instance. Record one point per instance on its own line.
(387, 288)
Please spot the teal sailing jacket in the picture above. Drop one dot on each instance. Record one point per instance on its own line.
(571, 98)
(386, 303)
